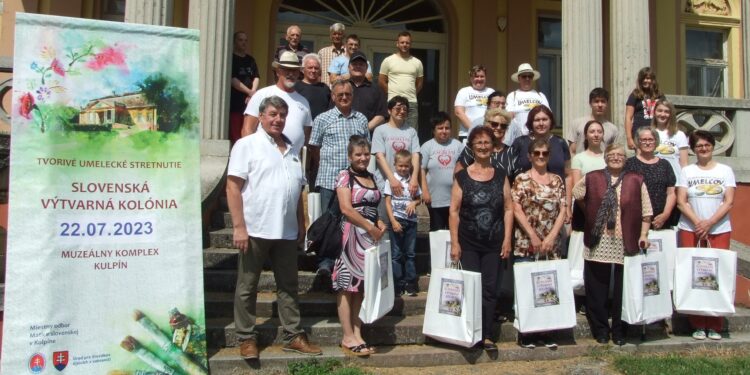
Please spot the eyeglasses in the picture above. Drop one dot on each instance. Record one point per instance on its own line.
(344, 95)
(401, 107)
(616, 156)
(648, 141)
(496, 124)
(538, 153)
(483, 143)
(703, 145)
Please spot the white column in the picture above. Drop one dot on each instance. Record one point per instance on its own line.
(215, 20)
(582, 54)
(746, 49)
(150, 12)
(630, 51)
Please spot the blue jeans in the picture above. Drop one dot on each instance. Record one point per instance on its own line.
(402, 255)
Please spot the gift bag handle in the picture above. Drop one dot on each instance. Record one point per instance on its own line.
(456, 265)
(536, 256)
(708, 244)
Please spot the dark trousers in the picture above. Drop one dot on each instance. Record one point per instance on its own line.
(485, 263)
(438, 217)
(597, 277)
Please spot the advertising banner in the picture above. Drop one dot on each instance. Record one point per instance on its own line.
(104, 264)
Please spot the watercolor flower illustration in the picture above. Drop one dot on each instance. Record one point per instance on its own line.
(26, 105)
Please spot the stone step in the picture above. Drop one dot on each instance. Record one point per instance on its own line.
(274, 360)
(221, 305)
(406, 330)
(224, 280)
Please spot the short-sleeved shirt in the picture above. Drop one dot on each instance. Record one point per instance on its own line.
(657, 177)
(402, 75)
(399, 203)
(475, 105)
(576, 135)
(327, 54)
(643, 110)
(369, 100)
(317, 94)
(273, 184)
(389, 140)
(503, 160)
(669, 148)
(542, 204)
(331, 131)
(559, 153)
(521, 103)
(297, 118)
(245, 70)
(340, 66)
(586, 163)
(705, 193)
(301, 52)
(440, 160)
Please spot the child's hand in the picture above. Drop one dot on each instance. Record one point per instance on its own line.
(411, 208)
(396, 226)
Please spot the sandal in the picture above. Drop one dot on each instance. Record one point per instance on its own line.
(370, 348)
(357, 351)
(489, 346)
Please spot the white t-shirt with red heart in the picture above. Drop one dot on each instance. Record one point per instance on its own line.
(439, 160)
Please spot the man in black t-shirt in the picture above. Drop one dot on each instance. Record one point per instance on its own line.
(245, 80)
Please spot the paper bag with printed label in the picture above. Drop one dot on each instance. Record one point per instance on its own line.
(544, 296)
(704, 281)
(379, 293)
(453, 313)
(645, 288)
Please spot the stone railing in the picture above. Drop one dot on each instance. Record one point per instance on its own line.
(727, 119)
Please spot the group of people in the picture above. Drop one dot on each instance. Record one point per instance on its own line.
(506, 189)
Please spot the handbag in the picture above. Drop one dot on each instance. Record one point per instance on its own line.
(665, 240)
(453, 312)
(645, 288)
(440, 249)
(378, 280)
(705, 281)
(544, 297)
(324, 235)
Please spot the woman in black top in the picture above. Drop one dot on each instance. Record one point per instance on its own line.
(659, 178)
(481, 220)
(639, 108)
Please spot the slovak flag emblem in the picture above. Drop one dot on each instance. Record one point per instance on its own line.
(60, 360)
(37, 363)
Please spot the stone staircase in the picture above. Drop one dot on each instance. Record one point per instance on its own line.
(398, 335)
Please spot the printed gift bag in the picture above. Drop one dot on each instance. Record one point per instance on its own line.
(379, 293)
(544, 296)
(665, 240)
(440, 249)
(704, 281)
(453, 313)
(645, 288)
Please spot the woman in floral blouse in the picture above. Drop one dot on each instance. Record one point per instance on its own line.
(538, 207)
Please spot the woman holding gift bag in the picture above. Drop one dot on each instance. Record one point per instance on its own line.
(538, 204)
(361, 229)
(481, 220)
(705, 194)
(618, 216)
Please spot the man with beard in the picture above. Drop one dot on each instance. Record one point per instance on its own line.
(299, 119)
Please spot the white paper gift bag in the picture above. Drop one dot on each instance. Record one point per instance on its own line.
(453, 313)
(575, 261)
(704, 281)
(313, 211)
(544, 296)
(440, 249)
(379, 292)
(645, 288)
(665, 240)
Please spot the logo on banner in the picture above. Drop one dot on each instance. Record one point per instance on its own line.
(37, 363)
(60, 360)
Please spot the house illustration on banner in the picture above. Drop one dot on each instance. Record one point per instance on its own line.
(127, 111)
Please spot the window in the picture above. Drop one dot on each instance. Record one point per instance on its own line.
(113, 10)
(706, 62)
(549, 62)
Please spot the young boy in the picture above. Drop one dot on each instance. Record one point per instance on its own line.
(402, 212)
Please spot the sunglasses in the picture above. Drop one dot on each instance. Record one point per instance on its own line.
(527, 76)
(538, 153)
(496, 124)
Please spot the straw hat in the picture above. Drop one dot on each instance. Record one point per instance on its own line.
(288, 59)
(525, 68)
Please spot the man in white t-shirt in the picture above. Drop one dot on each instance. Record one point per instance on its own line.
(520, 102)
(402, 74)
(299, 120)
(598, 101)
(471, 101)
(264, 195)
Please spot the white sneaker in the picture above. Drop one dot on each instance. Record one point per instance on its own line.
(713, 335)
(699, 334)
